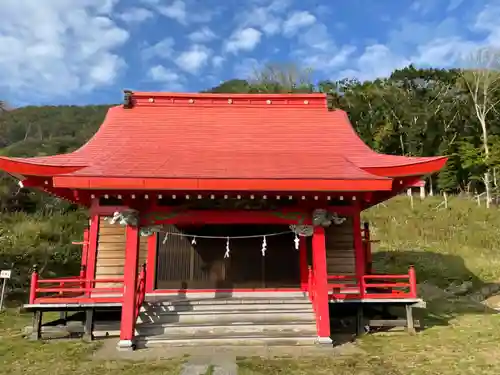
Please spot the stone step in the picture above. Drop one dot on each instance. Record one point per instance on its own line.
(227, 316)
(227, 295)
(176, 301)
(300, 328)
(249, 339)
(184, 307)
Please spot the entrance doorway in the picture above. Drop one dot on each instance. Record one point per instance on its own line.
(184, 265)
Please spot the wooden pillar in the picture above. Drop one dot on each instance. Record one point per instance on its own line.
(359, 253)
(151, 262)
(304, 270)
(321, 285)
(93, 238)
(85, 248)
(127, 326)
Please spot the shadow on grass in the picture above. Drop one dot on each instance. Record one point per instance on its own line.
(449, 288)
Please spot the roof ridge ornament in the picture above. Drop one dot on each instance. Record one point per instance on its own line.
(330, 101)
(127, 99)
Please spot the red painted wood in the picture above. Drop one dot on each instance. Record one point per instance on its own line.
(96, 208)
(321, 282)
(127, 325)
(413, 282)
(194, 184)
(168, 215)
(421, 168)
(304, 271)
(33, 286)
(151, 262)
(92, 249)
(77, 300)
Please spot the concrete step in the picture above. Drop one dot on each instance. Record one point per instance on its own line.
(221, 316)
(249, 339)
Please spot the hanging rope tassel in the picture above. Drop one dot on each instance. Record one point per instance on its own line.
(226, 254)
(264, 246)
(193, 242)
(297, 242)
(165, 238)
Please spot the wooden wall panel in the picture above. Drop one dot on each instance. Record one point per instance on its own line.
(340, 253)
(110, 258)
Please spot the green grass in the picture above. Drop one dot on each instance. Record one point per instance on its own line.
(446, 246)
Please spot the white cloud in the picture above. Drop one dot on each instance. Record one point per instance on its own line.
(163, 49)
(203, 35)
(266, 15)
(167, 77)
(58, 48)
(183, 11)
(243, 40)
(217, 61)
(193, 59)
(135, 15)
(297, 21)
(176, 11)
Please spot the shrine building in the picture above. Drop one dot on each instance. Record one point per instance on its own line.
(236, 212)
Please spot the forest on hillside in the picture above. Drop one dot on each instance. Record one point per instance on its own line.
(413, 112)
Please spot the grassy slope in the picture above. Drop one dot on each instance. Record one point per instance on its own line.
(445, 246)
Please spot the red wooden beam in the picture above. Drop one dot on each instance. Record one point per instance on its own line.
(193, 184)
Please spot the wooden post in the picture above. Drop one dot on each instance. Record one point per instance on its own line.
(304, 272)
(36, 334)
(88, 334)
(368, 247)
(151, 263)
(321, 286)
(358, 251)
(92, 251)
(85, 248)
(127, 326)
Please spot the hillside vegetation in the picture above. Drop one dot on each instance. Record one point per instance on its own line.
(413, 112)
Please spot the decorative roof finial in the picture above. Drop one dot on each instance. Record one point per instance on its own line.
(127, 99)
(330, 101)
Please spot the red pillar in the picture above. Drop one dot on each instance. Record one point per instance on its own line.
(127, 326)
(93, 238)
(321, 285)
(359, 252)
(304, 271)
(151, 263)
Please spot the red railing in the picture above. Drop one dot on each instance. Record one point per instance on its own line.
(374, 286)
(140, 294)
(73, 289)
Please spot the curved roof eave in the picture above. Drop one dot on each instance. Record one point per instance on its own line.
(415, 167)
(34, 167)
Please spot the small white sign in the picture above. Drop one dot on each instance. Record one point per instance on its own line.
(5, 274)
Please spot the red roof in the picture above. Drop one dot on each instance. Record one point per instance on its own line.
(165, 138)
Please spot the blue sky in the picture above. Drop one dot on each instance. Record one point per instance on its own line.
(87, 51)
